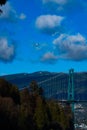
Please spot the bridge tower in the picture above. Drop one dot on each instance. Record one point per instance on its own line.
(71, 88)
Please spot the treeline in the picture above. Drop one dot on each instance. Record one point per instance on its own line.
(28, 110)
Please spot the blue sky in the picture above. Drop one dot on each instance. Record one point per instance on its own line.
(43, 35)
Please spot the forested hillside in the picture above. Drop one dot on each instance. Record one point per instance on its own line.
(29, 110)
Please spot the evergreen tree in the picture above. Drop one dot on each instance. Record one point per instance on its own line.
(55, 114)
(25, 118)
(8, 114)
(34, 87)
(24, 96)
(41, 116)
(9, 90)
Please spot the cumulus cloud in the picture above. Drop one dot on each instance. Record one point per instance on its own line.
(49, 23)
(9, 13)
(49, 57)
(73, 47)
(7, 51)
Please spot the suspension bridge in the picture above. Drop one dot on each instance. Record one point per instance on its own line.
(71, 88)
(66, 89)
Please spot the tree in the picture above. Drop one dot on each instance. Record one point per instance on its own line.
(40, 92)
(34, 87)
(25, 111)
(9, 90)
(25, 118)
(14, 94)
(55, 112)
(2, 2)
(41, 115)
(4, 88)
(24, 96)
(8, 114)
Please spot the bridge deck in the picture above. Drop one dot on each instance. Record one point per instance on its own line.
(72, 101)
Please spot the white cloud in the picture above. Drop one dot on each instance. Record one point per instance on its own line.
(9, 13)
(71, 47)
(49, 23)
(22, 16)
(60, 2)
(66, 6)
(6, 51)
(49, 57)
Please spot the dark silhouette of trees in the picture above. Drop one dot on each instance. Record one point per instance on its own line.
(41, 115)
(8, 114)
(9, 90)
(29, 110)
(34, 87)
(24, 96)
(2, 2)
